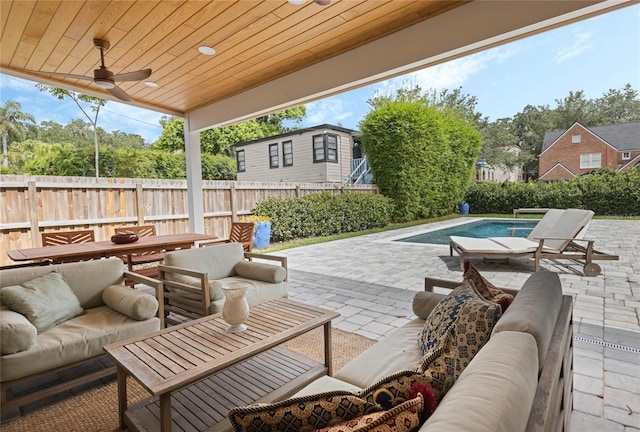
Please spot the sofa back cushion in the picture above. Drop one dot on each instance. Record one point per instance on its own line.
(87, 279)
(424, 302)
(495, 392)
(535, 310)
(217, 261)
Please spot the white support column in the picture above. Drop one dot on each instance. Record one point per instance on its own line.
(194, 179)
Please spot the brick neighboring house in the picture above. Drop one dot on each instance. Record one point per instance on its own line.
(580, 150)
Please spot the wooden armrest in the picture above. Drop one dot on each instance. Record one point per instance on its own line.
(202, 289)
(431, 282)
(282, 260)
(155, 284)
(203, 243)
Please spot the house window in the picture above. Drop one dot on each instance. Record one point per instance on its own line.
(240, 165)
(287, 153)
(576, 139)
(626, 155)
(273, 156)
(325, 148)
(590, 160)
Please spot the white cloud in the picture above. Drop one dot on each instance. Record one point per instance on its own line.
(329, 110)
(582, 43)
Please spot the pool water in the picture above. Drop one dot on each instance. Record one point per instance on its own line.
(478, 229)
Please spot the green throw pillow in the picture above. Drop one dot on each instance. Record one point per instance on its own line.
(45, 301)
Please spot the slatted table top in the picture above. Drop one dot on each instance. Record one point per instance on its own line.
(172, 358)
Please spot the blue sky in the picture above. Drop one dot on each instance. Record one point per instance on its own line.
(594, 55)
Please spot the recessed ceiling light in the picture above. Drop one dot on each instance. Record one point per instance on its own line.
(151, 84)
(206, 50)
(297, 2)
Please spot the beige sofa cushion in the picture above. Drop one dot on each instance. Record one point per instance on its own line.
(87, 279)
(81, 338)
(495, 392)
(326, 384)
(399, 351)
(535, 310)
(135, 304)
(259, 271)
(218, 260)
(45, 301)
(16, 332)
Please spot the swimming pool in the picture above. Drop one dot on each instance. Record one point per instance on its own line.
(479, 229)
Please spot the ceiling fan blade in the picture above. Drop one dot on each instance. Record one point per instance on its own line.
(133, 76)
(120, 94)
(59, 74)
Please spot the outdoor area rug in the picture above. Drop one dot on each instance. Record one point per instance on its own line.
(97, 409)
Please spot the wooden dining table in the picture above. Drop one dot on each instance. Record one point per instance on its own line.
(104, 249)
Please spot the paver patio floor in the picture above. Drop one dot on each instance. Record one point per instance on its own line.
(371, 281)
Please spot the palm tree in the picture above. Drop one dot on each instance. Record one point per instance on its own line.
(12, 121)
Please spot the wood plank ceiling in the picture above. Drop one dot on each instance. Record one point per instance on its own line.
(255, 41)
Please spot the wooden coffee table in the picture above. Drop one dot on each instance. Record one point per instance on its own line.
(203, 371)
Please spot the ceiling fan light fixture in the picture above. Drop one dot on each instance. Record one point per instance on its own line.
(206, 50)
(104, 83)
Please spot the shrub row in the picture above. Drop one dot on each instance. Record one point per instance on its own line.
(322, 214)
(606, 192)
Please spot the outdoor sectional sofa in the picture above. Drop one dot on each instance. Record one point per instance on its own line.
(102, 311)
(520, 380)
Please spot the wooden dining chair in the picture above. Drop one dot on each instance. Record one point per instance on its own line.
(241, 232)
(67, 237)
(140, 263)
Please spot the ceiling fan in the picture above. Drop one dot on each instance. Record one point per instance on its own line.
(103, 77)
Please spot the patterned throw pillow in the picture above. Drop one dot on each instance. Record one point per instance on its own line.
(305, 413)
(473, 317)
(485, 288)
(402, 418)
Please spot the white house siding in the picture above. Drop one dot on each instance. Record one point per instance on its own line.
(303, 169)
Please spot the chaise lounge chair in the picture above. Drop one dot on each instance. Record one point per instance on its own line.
(558, 235)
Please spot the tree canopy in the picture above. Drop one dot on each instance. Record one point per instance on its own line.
(422, 152)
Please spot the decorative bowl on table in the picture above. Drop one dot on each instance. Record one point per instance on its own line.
(124, 238)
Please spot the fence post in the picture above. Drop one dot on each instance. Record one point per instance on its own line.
(297, 190)
(140, 204)
(232, 201)
(32, 204)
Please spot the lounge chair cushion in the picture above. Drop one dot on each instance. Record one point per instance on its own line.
(535, 310)
(16, 332)
(472, 316)
(135, 304)
(45, 301)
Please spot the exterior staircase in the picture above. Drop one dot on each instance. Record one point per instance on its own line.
(360, 172)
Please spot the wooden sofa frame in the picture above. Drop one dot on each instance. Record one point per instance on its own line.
(553, 402)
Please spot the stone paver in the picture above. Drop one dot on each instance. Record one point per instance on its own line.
(372, 280)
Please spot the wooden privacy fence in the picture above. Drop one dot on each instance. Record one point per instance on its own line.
(30, 205)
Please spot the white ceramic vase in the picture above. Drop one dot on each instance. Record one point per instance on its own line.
(235, 310)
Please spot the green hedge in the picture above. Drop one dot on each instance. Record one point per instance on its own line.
(322, 214)
(606, 192)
